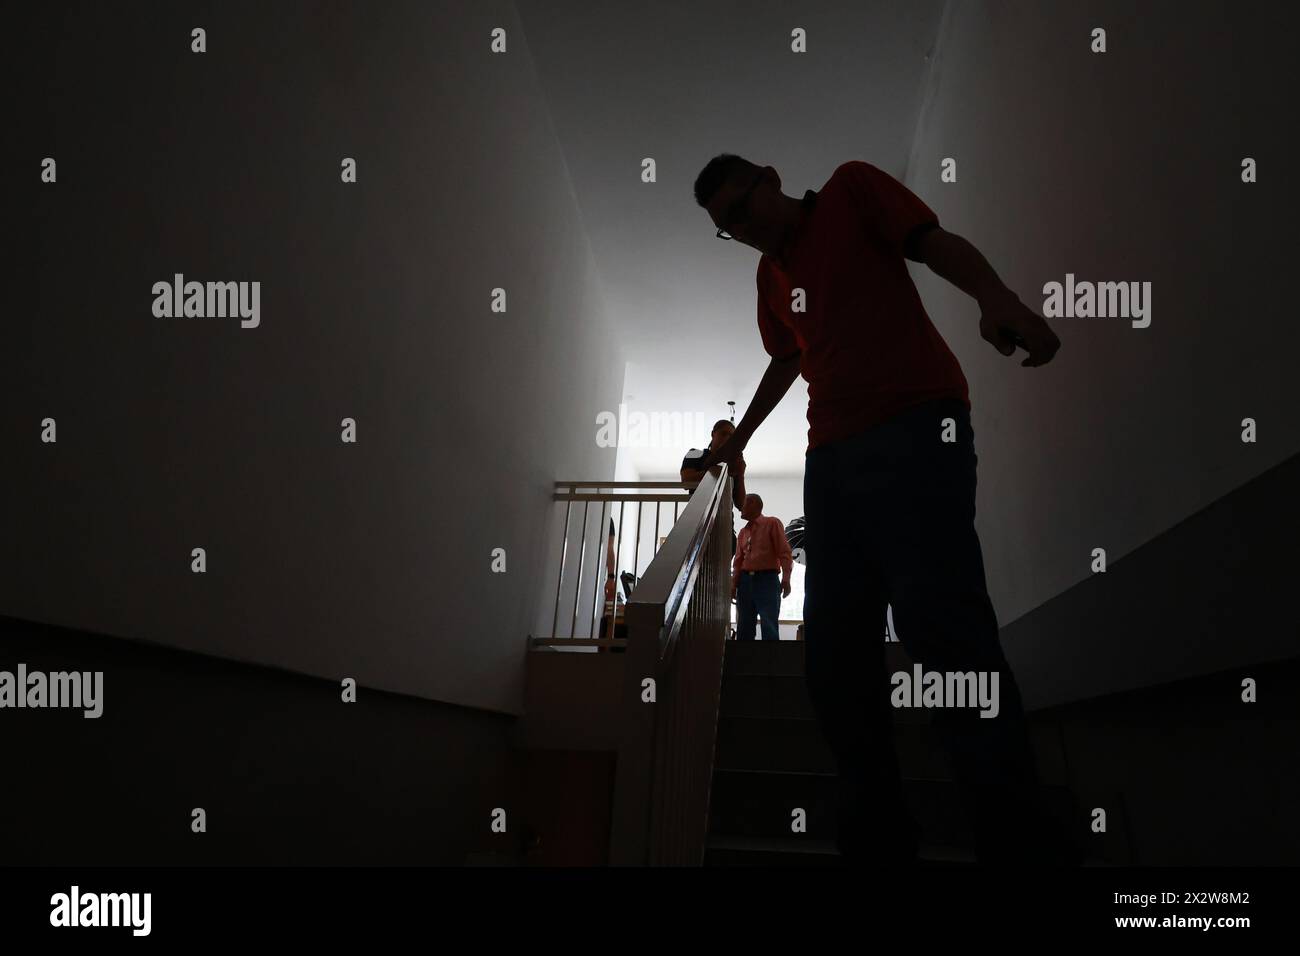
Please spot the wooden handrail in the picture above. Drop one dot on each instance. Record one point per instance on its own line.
(671, 576)
(625, 484)
(609, 490)
(609, 496)
(665, 755)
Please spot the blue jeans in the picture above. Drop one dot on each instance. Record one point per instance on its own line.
(891, 520)
(758, 594)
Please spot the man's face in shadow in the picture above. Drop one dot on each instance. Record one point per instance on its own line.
(716, 441)
(746, 206)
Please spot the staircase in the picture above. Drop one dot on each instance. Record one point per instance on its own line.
(770, 757)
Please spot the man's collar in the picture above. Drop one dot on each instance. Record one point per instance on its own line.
(808, 202)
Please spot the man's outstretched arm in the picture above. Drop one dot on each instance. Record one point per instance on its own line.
(776, 381)
(738, 482)
(1005, 321)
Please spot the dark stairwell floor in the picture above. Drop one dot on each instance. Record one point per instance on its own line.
(770, 758)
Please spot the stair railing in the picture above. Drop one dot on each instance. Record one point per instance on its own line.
(677, 620)
(642, 511)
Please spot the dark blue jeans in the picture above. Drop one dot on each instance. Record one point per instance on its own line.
(758, 594)
(890, 520)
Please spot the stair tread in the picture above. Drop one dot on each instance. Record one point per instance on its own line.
(808, 722)
(815, 847)
(906, 778)
(792, 844)
(1055, 788)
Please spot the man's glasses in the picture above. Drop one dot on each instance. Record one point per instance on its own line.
(738, 214)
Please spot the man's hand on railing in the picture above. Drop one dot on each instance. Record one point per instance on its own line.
(730, 452)
(715, 468)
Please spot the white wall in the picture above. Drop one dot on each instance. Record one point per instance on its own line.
(1115, 166)
(371, 560)
(782, 497)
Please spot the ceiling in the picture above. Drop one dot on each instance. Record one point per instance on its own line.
(681, 82)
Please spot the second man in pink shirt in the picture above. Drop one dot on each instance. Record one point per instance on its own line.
(762, 553)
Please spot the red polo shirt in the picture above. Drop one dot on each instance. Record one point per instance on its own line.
(869, 350)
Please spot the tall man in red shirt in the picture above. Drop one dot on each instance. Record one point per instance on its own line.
(762, 553)
(889, 486)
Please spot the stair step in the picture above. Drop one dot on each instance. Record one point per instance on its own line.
(765, 695)
(796, 851)
(772, 743)
(774, 658)
(761, 804)
(802, 848)
(770, 856)
(771, 758)
(784, 695)
(797, 744)
(763, 658)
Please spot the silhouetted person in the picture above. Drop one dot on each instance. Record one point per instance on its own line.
(722, 430)
(616, 629)
(890, 506)
(760, 572)
(611, 579)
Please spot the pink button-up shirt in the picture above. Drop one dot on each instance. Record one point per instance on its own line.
(762, 546)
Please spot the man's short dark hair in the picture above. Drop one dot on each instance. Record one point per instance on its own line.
(720, 422)
(759, 497)
(720, 169)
